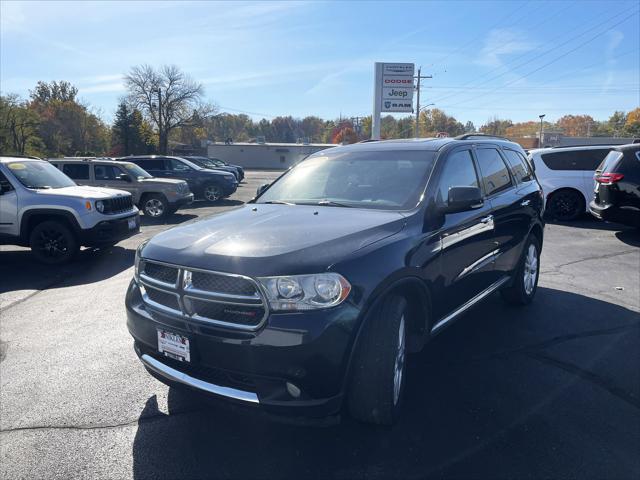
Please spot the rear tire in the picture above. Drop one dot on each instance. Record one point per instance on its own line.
(52, 242)
(525, 282)
(378, 375)
(212, 192)
(565, 205)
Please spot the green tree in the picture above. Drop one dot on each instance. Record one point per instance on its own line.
(496, 126)
(130, 133)
(18, 127)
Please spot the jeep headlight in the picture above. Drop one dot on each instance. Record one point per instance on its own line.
(100, 206)
(138, 260)
(305, 292)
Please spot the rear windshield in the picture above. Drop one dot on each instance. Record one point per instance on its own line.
(388, 180)
(610, 162)
(575, 159)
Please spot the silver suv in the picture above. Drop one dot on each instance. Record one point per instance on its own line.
(156, 197)
(42, 208)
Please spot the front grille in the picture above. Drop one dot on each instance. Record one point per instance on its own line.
(222, 299)
(116, 205)
(212, 282)
(224, 312)
(165, 299)
(159, 272)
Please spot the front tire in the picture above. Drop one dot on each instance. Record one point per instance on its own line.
(212, 192)
(155, 206)
(53, 243)
(378, 375)
(525, 283)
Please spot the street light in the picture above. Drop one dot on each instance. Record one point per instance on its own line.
(541, 129)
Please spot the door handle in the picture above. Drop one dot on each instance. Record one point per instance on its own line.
(487, 219)
(525, 203)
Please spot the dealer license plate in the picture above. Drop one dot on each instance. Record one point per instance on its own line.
(132, 224)
(173, 346)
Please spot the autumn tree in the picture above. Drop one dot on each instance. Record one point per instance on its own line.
(496, 126)
(167, 96)
(632, 123)
(18, 126)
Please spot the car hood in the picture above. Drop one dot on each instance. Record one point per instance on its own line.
(260, 239)
(78, 191)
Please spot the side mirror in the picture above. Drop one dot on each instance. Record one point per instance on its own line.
(462, 199)
(126, 178)
(262, 188)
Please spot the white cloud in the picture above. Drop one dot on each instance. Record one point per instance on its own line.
(502, 42)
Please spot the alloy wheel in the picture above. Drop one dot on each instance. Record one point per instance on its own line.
(530, 269)
(154, 207)
(213, 193)
(52, 244)
(398, 368)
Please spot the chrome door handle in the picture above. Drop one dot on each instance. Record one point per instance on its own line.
(525, 203)
(487, 219)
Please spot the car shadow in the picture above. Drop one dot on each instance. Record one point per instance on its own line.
(630, 237)
(588, 222)
(173, 219)
(480, 402)
(19, 270)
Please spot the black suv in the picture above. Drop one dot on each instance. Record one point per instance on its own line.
(617, 187)
(308, 297)
(206, 184)
(215, 164)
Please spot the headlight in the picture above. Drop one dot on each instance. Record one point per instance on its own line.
(100, 206)
(305, 292)
(138, 260)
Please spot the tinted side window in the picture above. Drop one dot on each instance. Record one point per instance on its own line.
(575, 160)
(519, 166)
(150, 164)
(178, 166)
(5, 185)
(495, 174)
(76, 171)
(458, 171)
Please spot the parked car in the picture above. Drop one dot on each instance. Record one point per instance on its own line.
(206, 162)
(566, 176)
(205, 184)
(312, 294)
(156, 197)
(617, 187)
(42, 208)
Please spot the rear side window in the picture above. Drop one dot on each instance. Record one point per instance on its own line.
(150, 164)
(575, 159)
(458, 172)
(178, 166)
(495, 174)
(107, 172)
(610, 162)
(519, 166)
(76, 171)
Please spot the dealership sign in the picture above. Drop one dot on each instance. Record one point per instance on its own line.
(392, 91)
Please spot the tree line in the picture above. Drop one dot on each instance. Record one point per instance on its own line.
(164, 107)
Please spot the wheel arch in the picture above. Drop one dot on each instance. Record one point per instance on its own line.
(33, 217)
(571, 189)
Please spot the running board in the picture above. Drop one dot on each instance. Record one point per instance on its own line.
(470, 303)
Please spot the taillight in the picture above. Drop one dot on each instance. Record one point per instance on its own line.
(608, 178)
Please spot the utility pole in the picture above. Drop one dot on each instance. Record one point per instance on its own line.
(541, 129)
(419, 77)
(162, 149)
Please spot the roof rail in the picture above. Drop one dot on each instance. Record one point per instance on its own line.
(31, 157)
(468, 136)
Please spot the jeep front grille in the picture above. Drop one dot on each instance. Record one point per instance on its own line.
(117, 205)
(223, 299)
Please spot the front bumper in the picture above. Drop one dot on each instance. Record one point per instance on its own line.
(310, 350)
(181, 202)
(111, 231)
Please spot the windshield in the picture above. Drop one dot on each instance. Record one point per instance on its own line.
(610, 161)
(390, 180)
(135, 171)
(203, 162)
(39, 175)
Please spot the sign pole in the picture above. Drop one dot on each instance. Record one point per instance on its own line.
(377, 101)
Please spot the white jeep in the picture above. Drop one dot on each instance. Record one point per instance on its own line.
(42, 208)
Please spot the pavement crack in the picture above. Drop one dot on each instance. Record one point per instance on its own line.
(140, 421)
(555, 268)
(588, 376)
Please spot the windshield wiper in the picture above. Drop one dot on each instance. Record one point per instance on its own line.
(279, 202)
(331, 203)
(39, 187)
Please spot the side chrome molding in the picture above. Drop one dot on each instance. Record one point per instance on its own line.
(470, 303)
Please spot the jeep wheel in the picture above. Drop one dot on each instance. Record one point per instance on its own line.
(378, 375)
(565, 205)
(53, 243)
(155, 206)
(525, 282)
(212, 192)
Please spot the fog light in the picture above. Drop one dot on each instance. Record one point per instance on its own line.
(293, 390)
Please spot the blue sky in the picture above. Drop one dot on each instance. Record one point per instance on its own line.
(511, 59)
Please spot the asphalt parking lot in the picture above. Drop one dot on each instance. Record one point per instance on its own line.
(551, 390)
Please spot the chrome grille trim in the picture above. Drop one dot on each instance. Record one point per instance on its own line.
(183, 289)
